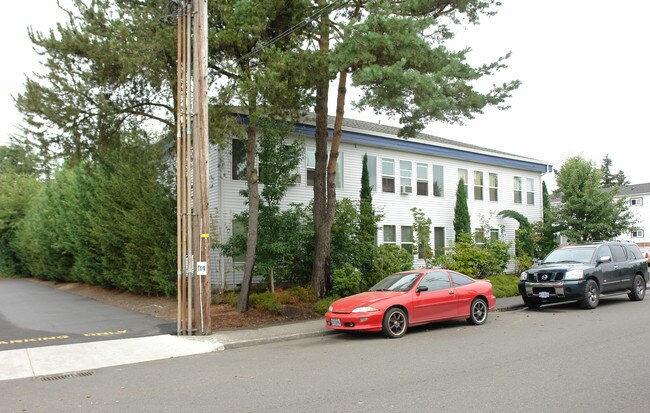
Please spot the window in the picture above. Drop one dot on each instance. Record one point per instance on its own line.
(238, 229)
(311, 167)
(438, 179)
(517, 183)
(388, 175)
(407, 239)
(439, 241)
(530, 191)
(459, 280)
(435, 281)
(423, 179)
(479, 236)
(405, 174)
(339, 171)
(462, 174)
(603, 251)
(637, 232)
(478, 185)
(636, 202)
(372, 172)
(494, 187)
(494, 234)
(389, 234)
(238, 160)
(618, 253)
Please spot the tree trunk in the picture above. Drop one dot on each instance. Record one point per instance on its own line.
(253, 217)
(322, 232)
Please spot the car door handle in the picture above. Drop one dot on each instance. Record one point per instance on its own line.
(616, 267)
(451, 292)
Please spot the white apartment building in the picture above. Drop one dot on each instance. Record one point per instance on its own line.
(638, 199)
(421, 172)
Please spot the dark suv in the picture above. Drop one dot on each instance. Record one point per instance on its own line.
(585, 272)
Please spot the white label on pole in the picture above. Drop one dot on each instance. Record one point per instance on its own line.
(201, 268)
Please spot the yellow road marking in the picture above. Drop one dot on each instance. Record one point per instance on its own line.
(34, 340)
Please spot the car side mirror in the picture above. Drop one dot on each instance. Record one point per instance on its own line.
(421, 288)
(605, 258)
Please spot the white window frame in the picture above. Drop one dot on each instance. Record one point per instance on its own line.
(422, 176)
(404, 241)
(494, 186)
(441, 183)
(394, 230)
(637, 233)
(636, 201)
(387, 176)
(478, 185)
(530, 191)
(518, 190)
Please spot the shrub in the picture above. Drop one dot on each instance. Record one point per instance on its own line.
(266, 301)
(390, 259)
(504, 285)
(476, 260)
(346, 281)
(321, 306)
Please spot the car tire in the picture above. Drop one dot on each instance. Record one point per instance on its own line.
(395, 323)
(531, 304)
(590, 295)
(478, 312)
(638, 289)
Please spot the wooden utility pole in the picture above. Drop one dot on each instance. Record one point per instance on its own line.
(193, 225)
(202, 222)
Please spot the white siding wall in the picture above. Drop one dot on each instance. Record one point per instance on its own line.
(225, 200)
(642, 214)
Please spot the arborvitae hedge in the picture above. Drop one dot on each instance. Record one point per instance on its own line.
(110, 223)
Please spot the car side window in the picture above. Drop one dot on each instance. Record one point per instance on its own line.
(457, 279)
(618, 253)
(604, 251)
(436, 280)
(633, 252)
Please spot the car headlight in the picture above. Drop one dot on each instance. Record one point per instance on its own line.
(364, 309)
(523, 276)
(574, 275)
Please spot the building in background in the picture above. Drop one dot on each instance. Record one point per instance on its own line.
(638, 199)
(421, 172)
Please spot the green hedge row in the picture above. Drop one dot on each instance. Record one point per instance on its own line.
(110, 222)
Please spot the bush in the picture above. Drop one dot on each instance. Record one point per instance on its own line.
(389, 260)
(296, 295)
(266, 301)
(504, 285)
(476, 260)
(346, 281)
(321, 306)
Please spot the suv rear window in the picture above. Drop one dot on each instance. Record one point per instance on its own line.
(634, 251)
(618, 253)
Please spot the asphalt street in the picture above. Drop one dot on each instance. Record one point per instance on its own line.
(556, 359)
(34, 315)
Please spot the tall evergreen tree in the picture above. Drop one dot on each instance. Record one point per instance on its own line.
(587, 212)
(462, 222)
(368, 220)
(394, 52)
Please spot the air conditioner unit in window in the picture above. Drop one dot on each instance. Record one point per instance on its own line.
(406, 189)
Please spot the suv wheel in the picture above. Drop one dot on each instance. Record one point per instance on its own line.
(532, 304)
(590, 296)
(638, 289)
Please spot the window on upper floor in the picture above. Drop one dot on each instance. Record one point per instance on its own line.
(372, 172)
(238, 160)
(388, 175)
(494, 187)
(422, 171)
(438, 180)
(530, 191)
(517, 186)
(311, 168)
(636, 201)
(637, 232)
(478, 185)
(405, 176)
(462, 174)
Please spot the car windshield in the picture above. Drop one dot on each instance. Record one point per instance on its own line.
(577, 254)
(396, 282)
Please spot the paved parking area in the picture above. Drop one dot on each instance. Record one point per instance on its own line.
(36, 315)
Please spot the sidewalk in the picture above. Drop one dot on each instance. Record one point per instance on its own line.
(58, 360)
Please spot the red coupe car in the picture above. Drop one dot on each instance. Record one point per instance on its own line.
(410, 298)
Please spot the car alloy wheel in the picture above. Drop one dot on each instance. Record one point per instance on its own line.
(638, 289)
(395, 323)
(478, 312)
(591, 295)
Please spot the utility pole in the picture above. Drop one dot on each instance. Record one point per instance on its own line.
(193, 219)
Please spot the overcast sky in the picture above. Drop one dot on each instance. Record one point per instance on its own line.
(584, 67)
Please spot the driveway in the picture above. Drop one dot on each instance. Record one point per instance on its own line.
(35, 315)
